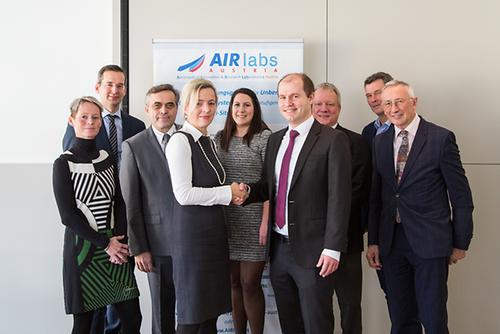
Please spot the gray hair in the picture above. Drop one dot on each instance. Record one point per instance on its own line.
(395, 83)
(331, 87)
(81, 100)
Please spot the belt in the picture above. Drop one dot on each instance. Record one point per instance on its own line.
(280, 237)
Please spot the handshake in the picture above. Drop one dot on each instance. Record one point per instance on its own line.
(239, 192)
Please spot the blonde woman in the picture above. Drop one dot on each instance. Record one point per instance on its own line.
(200, 252)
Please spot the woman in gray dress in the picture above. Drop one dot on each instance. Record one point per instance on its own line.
(200, 254)
(241, 148)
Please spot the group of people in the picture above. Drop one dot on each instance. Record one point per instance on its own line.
(201, 216)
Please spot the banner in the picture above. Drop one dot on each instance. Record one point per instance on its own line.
(232, 64)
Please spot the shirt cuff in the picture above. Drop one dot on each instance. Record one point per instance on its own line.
(331, 253)
(226, 196)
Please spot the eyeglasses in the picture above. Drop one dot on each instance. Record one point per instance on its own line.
(397, 102)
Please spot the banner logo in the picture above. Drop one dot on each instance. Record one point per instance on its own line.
(193, 66)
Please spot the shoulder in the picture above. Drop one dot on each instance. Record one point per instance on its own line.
(137, 138)
(134, 121)
(218, 136)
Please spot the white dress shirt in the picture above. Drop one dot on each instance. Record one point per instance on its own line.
(178, 153)
(412, 131)
(303, 130)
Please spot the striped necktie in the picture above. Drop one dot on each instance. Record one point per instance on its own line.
(113, 139)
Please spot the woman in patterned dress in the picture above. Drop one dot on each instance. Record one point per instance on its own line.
(200, 254)
(241, 147)
(96, 268)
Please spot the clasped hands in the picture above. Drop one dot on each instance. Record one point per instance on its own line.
(239, 192)
(118, 252)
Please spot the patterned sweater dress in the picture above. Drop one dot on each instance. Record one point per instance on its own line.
(244, 164)
(92, 209)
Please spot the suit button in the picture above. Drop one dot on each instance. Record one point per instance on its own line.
(397, 195)
(291, 202)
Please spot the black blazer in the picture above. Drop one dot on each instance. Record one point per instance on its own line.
(131, 126)
(369, 132)
(361, 177)
(319, 197)
(433, 197)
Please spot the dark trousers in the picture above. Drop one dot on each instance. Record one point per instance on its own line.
(207, 327)
(303, 297)
(128, 310)
(161, 287)
(416, 289)
(348, 280)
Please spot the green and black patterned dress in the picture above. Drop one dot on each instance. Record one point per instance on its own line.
(92, 208)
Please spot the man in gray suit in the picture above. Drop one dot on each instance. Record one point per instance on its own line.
(147, 191)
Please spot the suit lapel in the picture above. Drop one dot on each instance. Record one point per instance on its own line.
(311, 139)
(385, 155)
(274, 145)
(416, 148)
(154, 143)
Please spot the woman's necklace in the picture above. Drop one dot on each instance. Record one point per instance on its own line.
(221, 182)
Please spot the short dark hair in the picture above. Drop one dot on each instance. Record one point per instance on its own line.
(109, 68)
(162, 88)
(307, 83)
(257, 125)
(385, 77)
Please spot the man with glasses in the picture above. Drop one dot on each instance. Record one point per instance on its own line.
(420, 213)
(147, 191)
(118, 126)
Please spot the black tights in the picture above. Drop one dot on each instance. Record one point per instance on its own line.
(206, 327)
(129, 312)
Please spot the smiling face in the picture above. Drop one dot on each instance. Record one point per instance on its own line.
(201, 111)
(111, 90)
(294, 104)
(86, 121)
(242, 110)
(326, 108)
(162, 110)
(399, 106)
(373, 93)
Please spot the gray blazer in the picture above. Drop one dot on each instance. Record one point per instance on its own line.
(147, 191)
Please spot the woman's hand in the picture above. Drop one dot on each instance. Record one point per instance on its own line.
(118, 252)
(239, 193)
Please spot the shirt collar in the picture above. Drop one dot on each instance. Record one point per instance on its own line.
(187, 127)
(378, 124)
(304, 127)
(106, 112)
(411, 128)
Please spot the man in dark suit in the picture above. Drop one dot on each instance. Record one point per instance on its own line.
(118, 126)
(374, 85)
(111, 89)
(348, 278)
(420, 213)
(147, 191)
(307, 180)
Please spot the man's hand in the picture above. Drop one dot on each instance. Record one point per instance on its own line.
(239, 193)
(328, 265)
(456, 255)
(144, 262)
(372, 255)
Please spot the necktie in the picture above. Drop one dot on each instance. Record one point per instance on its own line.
(113, 139)
(283, 181)
(401, 162)
(164, 141)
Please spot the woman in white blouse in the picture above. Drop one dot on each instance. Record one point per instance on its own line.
(198, 235)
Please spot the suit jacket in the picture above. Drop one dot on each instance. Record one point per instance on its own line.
(433, 196)
(369, 132)
(361, 177)
(147, 191)
(131, 126)
(319, 196)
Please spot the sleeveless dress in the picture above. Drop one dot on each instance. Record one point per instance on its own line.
(244, 163)
(200, 252)
(91, 207)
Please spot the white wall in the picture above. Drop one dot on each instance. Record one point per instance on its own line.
(51, 51)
